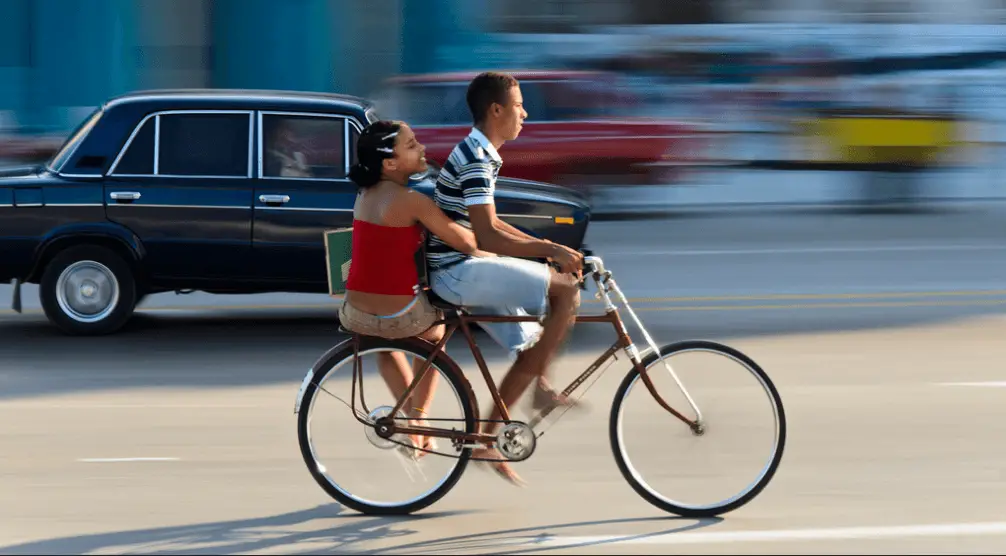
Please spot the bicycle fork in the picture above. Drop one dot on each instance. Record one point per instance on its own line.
(610, 286)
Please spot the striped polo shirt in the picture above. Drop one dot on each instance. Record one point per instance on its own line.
(467, 178)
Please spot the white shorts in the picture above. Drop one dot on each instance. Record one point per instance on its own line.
(498, 286)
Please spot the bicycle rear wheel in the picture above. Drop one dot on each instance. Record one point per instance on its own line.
(350, 461)
(735, 456)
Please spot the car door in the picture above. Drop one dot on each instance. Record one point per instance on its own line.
(182, 184)
(302, 190)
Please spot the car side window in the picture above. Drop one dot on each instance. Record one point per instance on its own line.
(354, 139)
(303, 146)
(139, 156)
(204, 144)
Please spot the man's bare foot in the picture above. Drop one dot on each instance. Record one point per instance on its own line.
(502, 468)
(545, 397)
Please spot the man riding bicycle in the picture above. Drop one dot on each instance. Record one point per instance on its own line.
(506, 284)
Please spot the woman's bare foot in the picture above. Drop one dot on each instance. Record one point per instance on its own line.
(502, 468)
(421, 441)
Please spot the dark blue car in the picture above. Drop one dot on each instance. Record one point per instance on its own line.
(213, 190)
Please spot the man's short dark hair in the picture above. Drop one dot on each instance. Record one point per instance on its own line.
(484, 90)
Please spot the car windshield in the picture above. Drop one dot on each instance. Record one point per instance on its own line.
(70, 145)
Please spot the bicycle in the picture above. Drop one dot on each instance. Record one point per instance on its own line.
(517, 440)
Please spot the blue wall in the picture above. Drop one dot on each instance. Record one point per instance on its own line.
(269, 44)
(442, 35)
(15, 52)
(59, 54)
(82, 52)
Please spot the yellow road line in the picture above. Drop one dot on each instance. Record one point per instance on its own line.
(876, 295)
(869, 305)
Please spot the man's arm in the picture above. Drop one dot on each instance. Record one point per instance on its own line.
(493, 237)
(517, 234)
(492, 234)
(509, 229)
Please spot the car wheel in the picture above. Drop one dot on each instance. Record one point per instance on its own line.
(88, 290)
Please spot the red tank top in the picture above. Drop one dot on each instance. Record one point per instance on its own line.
(384, 259)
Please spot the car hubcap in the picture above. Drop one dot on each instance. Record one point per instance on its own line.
(87, 291)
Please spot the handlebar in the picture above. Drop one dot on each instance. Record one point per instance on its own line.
(594, 264)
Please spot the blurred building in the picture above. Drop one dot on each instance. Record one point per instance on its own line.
(557, 16)
(60, 58)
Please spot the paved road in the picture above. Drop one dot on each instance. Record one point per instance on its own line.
(881, 331)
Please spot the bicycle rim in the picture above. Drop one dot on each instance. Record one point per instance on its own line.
(730, 462)
(361, 470)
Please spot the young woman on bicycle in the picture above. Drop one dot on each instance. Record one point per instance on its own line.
(382, 296)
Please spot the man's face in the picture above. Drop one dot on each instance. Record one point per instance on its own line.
(512, 114)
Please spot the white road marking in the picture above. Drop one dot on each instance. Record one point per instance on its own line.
(993, 384)
(844, 533)
(44, 405)
(122, 460)
(800, 250)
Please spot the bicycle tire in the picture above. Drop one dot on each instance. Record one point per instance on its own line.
(411, 346)
(656, 499)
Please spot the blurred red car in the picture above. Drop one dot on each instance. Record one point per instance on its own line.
(573, 134)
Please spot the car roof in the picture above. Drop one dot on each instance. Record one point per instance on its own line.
(244, 98)
(520, 75)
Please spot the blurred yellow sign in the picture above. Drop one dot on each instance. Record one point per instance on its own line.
(879, 139)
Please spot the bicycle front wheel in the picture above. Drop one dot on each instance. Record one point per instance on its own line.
(707, 473)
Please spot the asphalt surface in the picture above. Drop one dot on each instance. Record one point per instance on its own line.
(882, 332)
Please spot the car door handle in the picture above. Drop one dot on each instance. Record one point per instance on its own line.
(274, 199)
(125, 196)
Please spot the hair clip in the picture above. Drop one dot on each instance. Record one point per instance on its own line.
(389, 136)
(386, 150)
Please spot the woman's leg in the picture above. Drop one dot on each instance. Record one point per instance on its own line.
(422, 396)
(424, 392)
(398, 375)
(396, 372)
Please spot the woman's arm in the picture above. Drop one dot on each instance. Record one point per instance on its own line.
(429, 215)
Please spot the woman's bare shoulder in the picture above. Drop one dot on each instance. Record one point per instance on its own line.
(401, 208)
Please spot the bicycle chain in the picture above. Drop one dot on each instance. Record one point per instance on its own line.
(455, 456)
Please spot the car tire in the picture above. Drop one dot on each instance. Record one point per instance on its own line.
(104, 297)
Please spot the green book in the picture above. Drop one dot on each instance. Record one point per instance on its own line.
(338, 256)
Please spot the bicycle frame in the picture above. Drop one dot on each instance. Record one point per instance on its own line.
(459, 320)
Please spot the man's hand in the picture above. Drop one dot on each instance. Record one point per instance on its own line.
(573, 252)
(569, 260)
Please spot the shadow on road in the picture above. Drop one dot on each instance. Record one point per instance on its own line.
(239, 536)
(337, 532)
(528, 540)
